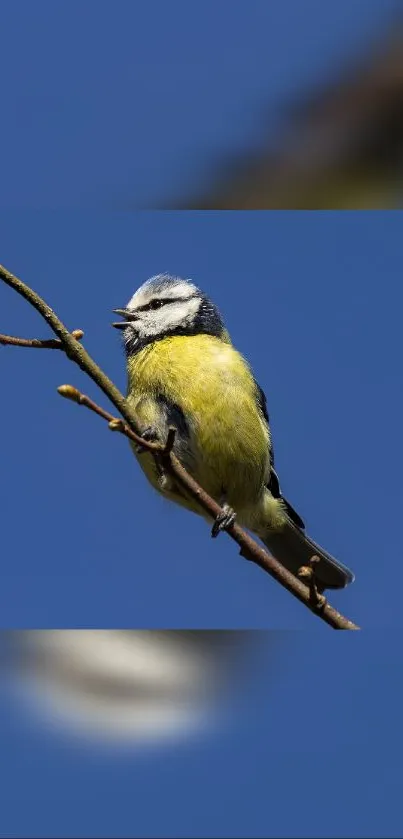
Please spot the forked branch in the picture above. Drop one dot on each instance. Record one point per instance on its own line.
(129, 426)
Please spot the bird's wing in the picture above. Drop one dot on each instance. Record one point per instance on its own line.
(273, 484)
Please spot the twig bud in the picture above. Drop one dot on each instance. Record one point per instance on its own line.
(305, 572)
(70, 392)
(116, 424)
(78, 334)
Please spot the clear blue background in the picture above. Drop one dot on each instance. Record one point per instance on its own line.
(314, 300)
(315, 754)
(135, 103)
(130, 103)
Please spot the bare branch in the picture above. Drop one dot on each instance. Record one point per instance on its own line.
(163, 453)
(72, 347)
(37, 343)
(115, 423)
(249, 548)
(307, 572)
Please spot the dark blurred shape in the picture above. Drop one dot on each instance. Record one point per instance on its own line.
(132, 687)
(342, 149)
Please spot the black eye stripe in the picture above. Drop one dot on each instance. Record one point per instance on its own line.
(157, 303)
(153, 304)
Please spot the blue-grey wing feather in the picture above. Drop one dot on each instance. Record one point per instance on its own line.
(273, 484)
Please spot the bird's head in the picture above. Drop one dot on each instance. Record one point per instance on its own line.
(165, 306)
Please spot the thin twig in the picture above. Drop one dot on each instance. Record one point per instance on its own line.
(249, 548)
(37, 343)
(72, 347)
(130, 428)
(307, 572)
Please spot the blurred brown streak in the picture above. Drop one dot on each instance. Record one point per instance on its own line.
(342, 150)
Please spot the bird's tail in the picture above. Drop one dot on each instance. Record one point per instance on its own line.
(290, 546)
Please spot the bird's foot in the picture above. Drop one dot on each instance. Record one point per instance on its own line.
(150, 435)
(223, 520)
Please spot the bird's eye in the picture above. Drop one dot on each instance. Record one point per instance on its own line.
(156, 304)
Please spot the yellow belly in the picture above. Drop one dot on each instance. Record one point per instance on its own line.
(228, 447)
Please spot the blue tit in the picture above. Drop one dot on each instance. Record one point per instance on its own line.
(183, 371)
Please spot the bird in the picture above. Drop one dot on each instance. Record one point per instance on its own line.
(184, 373)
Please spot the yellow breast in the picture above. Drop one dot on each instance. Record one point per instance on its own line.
(214, 387)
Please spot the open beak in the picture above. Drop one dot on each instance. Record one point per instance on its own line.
(127, 317)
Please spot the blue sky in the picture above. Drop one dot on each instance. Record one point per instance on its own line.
(315, 754)
(109, 104)
(133, 103)
(314, 301)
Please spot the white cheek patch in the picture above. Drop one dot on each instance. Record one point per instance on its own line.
(170, 317)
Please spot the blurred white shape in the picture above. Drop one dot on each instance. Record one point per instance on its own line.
(126, 686)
